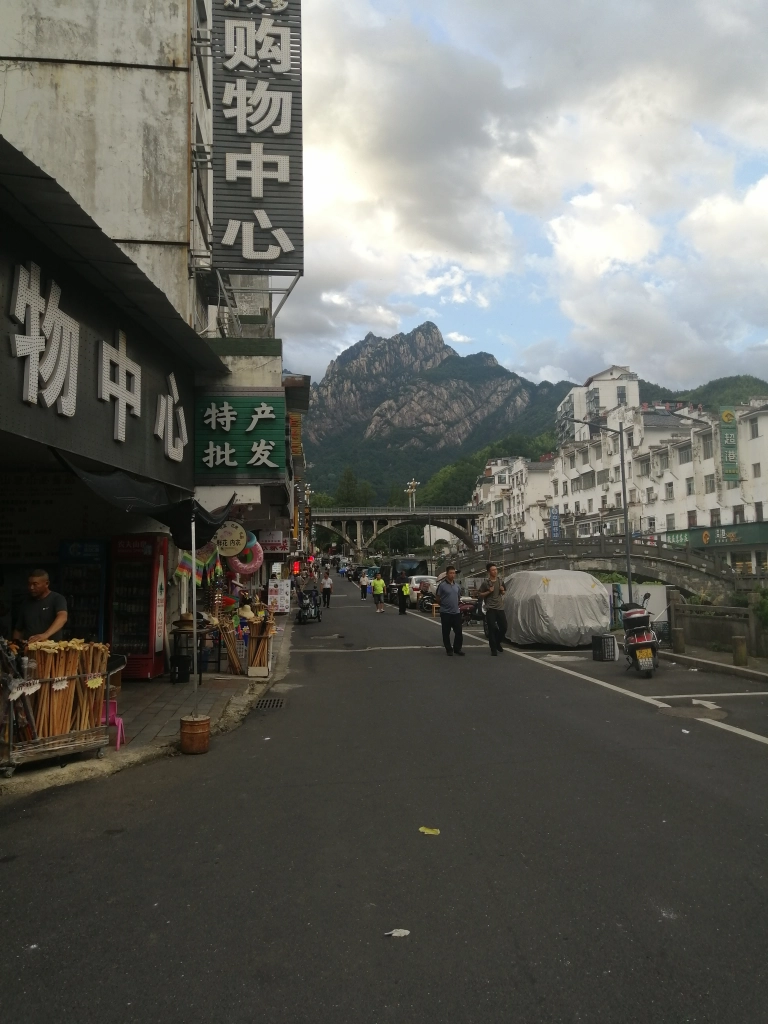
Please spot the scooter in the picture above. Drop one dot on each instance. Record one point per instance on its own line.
(309, 607)
(641, 645)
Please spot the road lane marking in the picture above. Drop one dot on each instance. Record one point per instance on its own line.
(685, 696)
(590, 679)
(732, 728)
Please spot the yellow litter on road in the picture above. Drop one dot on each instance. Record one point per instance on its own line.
(429, 831)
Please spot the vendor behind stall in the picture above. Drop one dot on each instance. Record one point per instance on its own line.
(44, 613)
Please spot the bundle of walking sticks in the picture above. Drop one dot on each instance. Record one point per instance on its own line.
(258, 645)
(71, 697)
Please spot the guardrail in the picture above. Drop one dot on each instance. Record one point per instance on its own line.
(383, 511)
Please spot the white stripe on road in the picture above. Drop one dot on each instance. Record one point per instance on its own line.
(684, 696)
(362, 650)
(732, 728)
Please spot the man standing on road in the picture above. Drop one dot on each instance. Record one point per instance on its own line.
(378, 587)
(492, 591)
(448, 593)
(327, 587)
(364, 586)
(403, 590)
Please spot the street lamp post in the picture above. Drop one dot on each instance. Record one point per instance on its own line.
(627, 539)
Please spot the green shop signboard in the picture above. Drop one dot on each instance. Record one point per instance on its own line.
(729, 443)
(744, 535)
(239, 436)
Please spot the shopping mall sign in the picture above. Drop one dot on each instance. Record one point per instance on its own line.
(258, 223)
(239, 437)
(729, 443)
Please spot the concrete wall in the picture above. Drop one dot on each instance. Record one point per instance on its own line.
(114, 134)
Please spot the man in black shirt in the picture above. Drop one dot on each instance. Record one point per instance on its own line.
(43, 615)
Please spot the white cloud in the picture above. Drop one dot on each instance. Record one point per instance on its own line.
(458, 339)
(589, 149)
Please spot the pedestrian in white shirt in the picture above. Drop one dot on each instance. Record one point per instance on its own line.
(326, 587)
(364, 586)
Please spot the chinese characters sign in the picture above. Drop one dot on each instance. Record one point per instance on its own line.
(239, 436)
(729, 444)
(257, 136)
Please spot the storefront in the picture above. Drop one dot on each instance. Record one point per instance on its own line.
(744, 545)
(97, 373)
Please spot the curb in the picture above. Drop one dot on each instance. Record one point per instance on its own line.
(715, 666)
(234, 714)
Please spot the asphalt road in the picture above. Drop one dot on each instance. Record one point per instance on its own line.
(595, 861)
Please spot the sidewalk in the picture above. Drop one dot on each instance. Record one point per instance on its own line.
(719, 661)
(151, 712)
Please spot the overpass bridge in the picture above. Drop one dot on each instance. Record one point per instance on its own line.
(371, 523)
(691, 571)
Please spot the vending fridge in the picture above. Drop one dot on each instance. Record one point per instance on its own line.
(82, 581)
(137, 605)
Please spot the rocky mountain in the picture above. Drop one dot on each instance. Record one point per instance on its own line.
(393, 407)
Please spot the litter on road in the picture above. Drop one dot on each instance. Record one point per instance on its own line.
(429, 831)
(398, 933)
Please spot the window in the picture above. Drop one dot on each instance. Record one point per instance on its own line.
(753, 427)
(649, 494)
(669, 492)
(617, 497)
(572, 461)
(630, 439)
(644, 467)
(587, 481)
(758, 511)
(498, 506)
(685, 455)
(714, 517)
(604, 501)
(565, 486)
(501, 478)
(575, 485)
(555, 485)
(709, 483)
(583, 529)
(603, 476)
(664, 461)
(585, 457)
(755, 469)
(731, 485)
(632, 494)
(691, 519)
(651, 524)
(738, 514)
(598, 452)
(565, 507)
(621, 395)
(671, 521)
(707, 447)
(689, 489)
(577, 507)
(589, 504)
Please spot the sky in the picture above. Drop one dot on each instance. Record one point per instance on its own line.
(566, 184)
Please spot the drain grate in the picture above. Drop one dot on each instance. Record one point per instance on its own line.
(270, 704)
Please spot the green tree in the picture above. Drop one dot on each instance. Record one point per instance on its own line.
(346, 491)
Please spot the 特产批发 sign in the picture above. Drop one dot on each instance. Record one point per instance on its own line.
(729, 444)
(239, 437)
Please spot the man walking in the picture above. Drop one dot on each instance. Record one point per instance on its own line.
(378, 587)
(492, 591)
(448, 593)
(327, 587)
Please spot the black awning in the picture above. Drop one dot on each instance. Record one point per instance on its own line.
(153, 499)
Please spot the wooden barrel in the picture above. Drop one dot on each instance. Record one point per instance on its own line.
(195, 734)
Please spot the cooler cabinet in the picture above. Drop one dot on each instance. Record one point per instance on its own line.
(82, 581)
(137, 602)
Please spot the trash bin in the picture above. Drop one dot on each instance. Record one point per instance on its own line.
(604, 647)
(181, 668)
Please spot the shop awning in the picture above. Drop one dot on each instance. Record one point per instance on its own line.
(150, 498)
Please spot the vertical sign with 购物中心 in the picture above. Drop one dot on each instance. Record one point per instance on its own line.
(729, 444)
(258, 222)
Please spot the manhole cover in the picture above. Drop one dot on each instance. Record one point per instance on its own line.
(715, 713)
(270, 703)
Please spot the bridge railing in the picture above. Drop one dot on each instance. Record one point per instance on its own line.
(383, 511)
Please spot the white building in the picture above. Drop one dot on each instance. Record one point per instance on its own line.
(513, 498)
(617, 386)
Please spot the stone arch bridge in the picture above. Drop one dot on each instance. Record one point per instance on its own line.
(692, 572)
(371, 523)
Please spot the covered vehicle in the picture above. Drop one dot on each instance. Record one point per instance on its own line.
(556, 606)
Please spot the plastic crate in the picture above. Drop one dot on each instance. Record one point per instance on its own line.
(604, 647)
